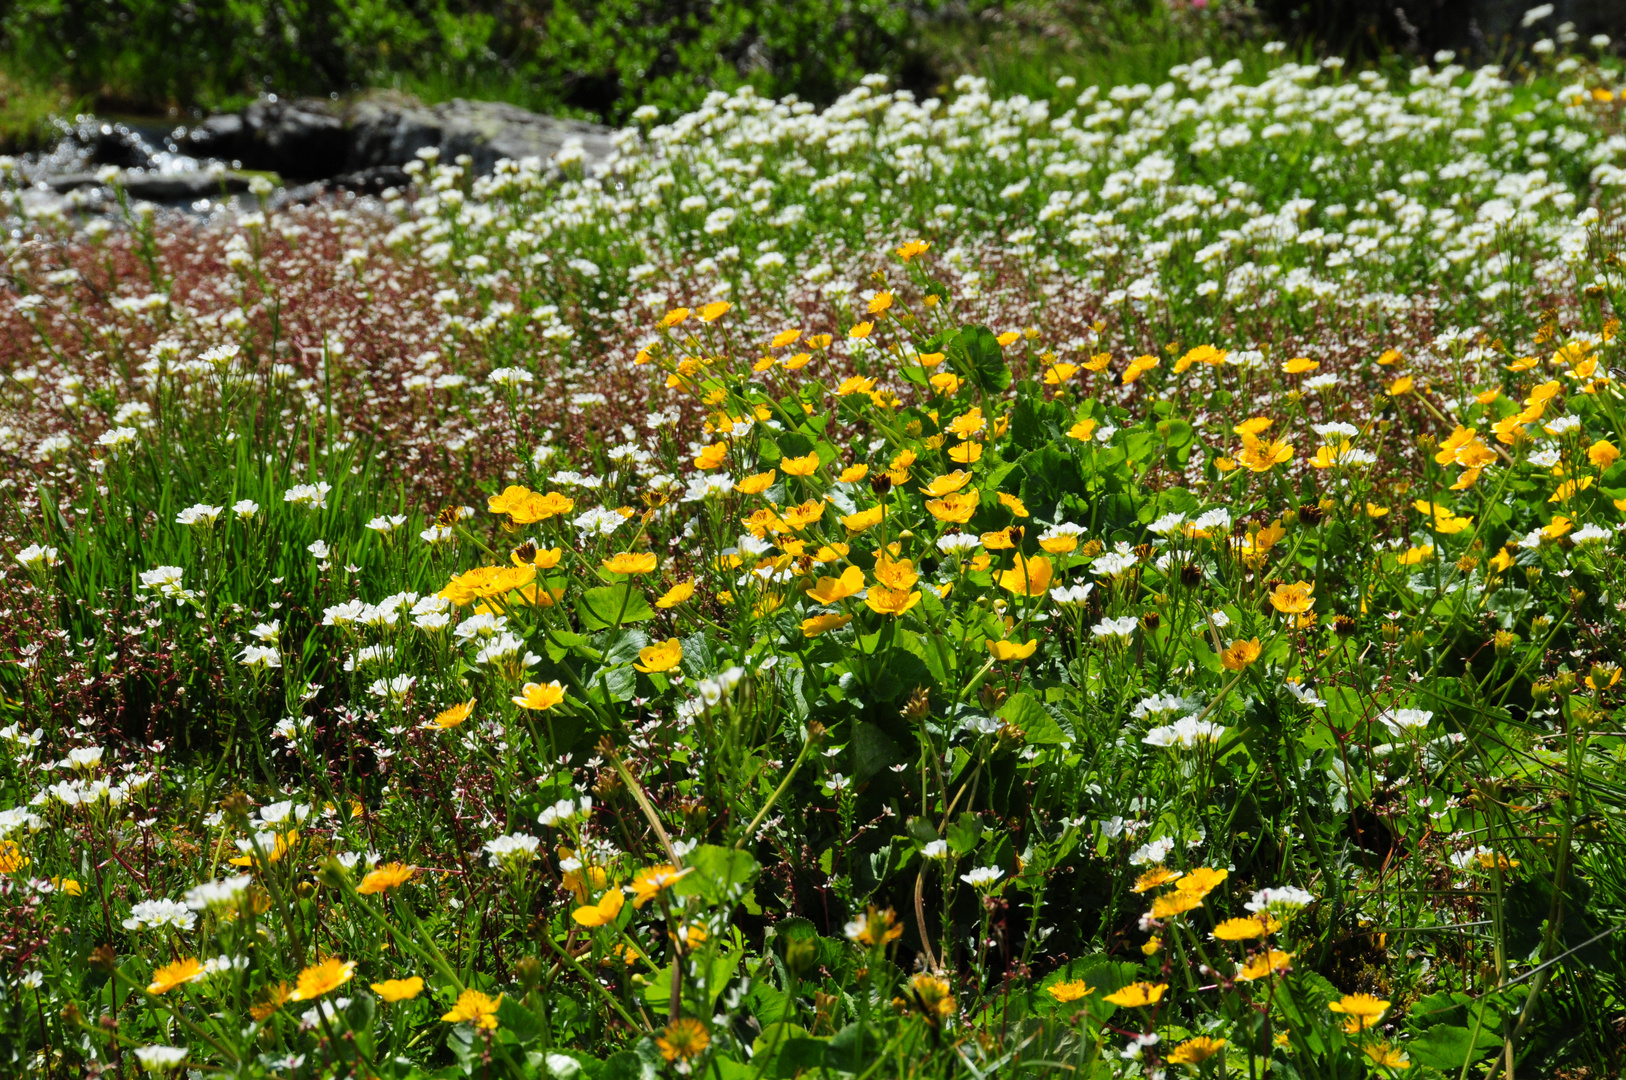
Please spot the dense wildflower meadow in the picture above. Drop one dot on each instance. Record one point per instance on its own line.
(1124, 585)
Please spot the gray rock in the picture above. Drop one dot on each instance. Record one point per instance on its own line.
(301, 139)
(389, 130)
(156, 187)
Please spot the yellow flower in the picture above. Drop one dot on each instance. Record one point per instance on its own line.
(1174, 903)
(540, 696)
(1363, 1010)
(1195, 1051)
(861, 331)
(756, 485)
(1557, 528)
(1029, 576)
(627, 562)
(820, 624)
(1299, 365)
(68, 885)
(1243, 929)
(1263, 964)
(1375, 511)
(674, 317)
(1201, 881)
(930, 360)
(1007, 338)
(675, 595)
(398, 989)
(912, 249)
(875, 926)
(1202, 354)
(785, 337)
(683, 1040)
(880, 302)
(1065, 992)
(946, 382)
(1254, 427)
(475, 1008)
(651, 881)
(170, 976)
(1060, 544)
(457, 714)
(602, 913)
(852, 474)
(1005, 651)
(323, 976)
(663, 656)
(1016, 506)
(1137, 994)
(715, 310)
(1261, 455)
(1402, 385)
(1240, 654)
(800, 466)
(1082, 431)
(1151, 879)
(947, 484)
(12, 858)
(1382, 1054)
(712, 456)
(966, 453)
(884, 600)
(1602, 454)
(864, 519)
(389, 876)
(831, 590)
(1294, 599)
(956, 509)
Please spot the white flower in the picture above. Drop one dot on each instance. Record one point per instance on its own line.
(387, 525)
(157, 914)
(161, 1058)
(218, 894)
(1400, 721)
(509, 378)
(1113, 563)
(954, 543)
(936, 849)
(34, 556)
(1589, 533)
(564, 811)
(1072, 595)
(117, 438)
(1285, 897)
(83, 759)
(1305, 695)
(983, 877)
(260, 657)
(1116, 628)
(310, 496)
(318, 550)
(1186, 732)
(245, 508)
(512, 849)
(1545, 459)
(1163, 526)
(200, 514)
(394, 689)
(1153, 853)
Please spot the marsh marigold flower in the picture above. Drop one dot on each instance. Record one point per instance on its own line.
(1294, 599)
(1195, 1051)
(602, 913)
(888, 601)
(1361, 1010)
(1005, 651)
(452, 717)
(676, 595)
(1028, 577)
(683, 1040)
(664, 656)
(398, 989)
(1137, 995)
(627, 562)
(651, 881)
(1065, 992)
(821, 624)
(540, 696)
(875, 926)
(830, 590)
(475, 1008)
(322, 977)
(1263, 964)
(715, 310)
(1246, 928)
(170, 976)
(1239, 654)
(389, 876)
(806, 465)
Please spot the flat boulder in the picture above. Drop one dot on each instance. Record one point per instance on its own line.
(390, 130)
